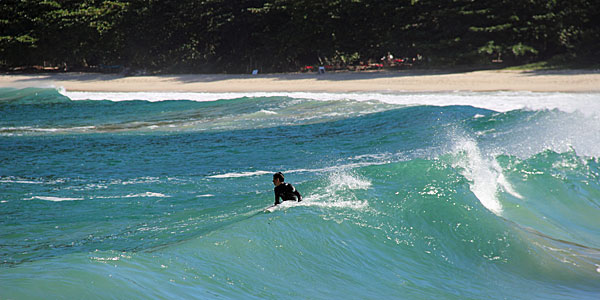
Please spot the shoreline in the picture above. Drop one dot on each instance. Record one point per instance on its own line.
(336, 82)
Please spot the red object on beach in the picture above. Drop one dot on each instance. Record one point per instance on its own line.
(308, 68)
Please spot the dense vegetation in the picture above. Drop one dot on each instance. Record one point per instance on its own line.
(284, 35)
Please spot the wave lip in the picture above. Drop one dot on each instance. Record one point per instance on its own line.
(484, 175)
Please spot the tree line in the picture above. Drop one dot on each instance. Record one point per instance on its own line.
(236, 36)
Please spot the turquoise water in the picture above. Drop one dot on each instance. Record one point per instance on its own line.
(407, 196)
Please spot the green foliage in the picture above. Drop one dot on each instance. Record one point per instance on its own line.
(284, 35)
(520, 49)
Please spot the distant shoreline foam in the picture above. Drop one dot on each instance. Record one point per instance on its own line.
(500, 101)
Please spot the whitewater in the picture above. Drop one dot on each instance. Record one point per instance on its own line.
(454, 195)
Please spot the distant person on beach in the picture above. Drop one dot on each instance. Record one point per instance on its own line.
(284, 190)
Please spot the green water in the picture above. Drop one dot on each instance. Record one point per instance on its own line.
(403, 199)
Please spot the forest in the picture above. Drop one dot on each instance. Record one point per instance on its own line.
(238, 36)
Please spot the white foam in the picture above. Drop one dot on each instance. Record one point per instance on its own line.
(348, 181)
(350, 204)
(340, 192)
(240, 174)
(42, 129)
(139, 180)
(496, 101)
(267, 112)
(325, 201)
(505, 184)
(336, 168)
(53, 199)
(483, 174)
(20, 181)
(147, 194)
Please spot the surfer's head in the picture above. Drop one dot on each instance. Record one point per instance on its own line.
(278, 178)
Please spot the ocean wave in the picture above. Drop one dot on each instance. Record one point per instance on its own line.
(32, 96)
(503, 101)
(496, 101)
(423, 199)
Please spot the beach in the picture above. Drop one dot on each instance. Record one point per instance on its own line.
(369, 81)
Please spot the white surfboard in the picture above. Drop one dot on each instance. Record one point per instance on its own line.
(283, 205)
(271, 208)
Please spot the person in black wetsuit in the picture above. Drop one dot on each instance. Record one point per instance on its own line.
(284, 190)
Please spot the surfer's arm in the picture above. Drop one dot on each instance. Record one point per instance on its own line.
(276, 199)
(299, 197)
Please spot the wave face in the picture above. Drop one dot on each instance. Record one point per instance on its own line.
(410, 196)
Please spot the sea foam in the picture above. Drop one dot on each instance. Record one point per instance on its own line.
(497, 101)
(53, 199)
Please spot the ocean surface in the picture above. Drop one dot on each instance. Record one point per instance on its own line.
(456, 195)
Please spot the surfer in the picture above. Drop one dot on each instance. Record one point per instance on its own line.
(284, 190)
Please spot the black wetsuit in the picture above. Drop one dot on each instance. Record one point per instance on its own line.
(286, 192)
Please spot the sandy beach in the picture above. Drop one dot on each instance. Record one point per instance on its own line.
(381, 81)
